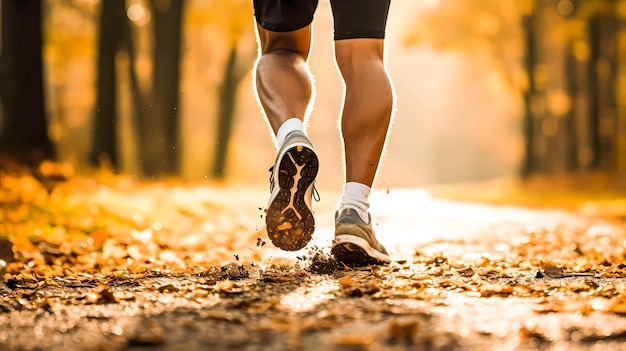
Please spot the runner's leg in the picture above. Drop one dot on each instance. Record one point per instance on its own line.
(367, 106)
(283, 81)
(366, 115)
(285, 89)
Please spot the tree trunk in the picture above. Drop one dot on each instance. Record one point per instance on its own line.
(113, 29)
(24, 130)
(158, 136)
(528, 164)
(620, 89)
(226, 113)
(603, 70)
(581, 147)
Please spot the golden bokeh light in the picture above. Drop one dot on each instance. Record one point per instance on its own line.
(138, 14)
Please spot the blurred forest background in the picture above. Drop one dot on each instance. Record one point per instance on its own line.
(485, 89)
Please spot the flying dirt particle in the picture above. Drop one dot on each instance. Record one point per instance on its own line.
(232, 271)
(539, 275)
(322, 263)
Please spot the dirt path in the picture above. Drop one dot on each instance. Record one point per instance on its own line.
(175, 272)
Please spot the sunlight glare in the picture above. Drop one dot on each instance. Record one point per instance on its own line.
(565, 7)
(142, 235)
(307, 298)
(138, 14)
(430, 4)
(157, 226)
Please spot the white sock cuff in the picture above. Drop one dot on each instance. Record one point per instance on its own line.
(355, 196)
(356, 189)
(290, 125)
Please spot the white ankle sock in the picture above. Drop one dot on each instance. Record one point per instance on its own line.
(290, 125)
(355, 196)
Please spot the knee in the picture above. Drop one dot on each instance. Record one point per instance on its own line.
(351, 52)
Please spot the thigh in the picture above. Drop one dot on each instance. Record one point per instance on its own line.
(360, 18)
(284, 15)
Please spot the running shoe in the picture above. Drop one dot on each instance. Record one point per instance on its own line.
(355, 243)
(289, 218)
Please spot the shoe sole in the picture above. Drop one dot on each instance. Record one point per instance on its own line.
(356, 255)
(289, 221)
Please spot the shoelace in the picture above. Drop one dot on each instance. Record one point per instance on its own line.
(316, 194)
(271, 178)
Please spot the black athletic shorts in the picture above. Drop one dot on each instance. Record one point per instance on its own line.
(352, 18)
